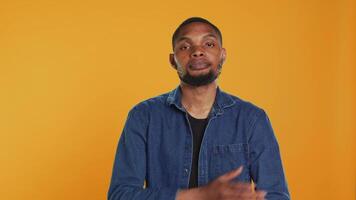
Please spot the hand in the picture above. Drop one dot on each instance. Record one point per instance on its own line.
(223, 188)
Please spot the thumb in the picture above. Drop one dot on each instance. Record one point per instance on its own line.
(230, 175)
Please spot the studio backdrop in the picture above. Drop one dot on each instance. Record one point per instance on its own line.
(71, 70)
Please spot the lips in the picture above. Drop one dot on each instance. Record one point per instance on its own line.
(198, 64)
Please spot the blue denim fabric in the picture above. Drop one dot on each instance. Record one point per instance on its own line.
(156, 147)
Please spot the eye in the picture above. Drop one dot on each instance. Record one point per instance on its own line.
(210, 44)
(184, 47)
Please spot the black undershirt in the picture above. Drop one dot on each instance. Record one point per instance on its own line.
(198, 127)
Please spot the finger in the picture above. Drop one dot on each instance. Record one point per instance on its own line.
(260, 195)
(231, 192)
(243, 196)
(246, 196)
(242, 186)
(241, 190)
(230, 175)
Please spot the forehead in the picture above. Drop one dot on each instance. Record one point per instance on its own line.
(197, 29)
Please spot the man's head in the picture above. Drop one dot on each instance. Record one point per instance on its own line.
(198, 55)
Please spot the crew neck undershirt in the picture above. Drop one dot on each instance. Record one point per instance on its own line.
(198, 128)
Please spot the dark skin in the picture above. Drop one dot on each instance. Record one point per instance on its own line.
(223, 188)
(198, 51)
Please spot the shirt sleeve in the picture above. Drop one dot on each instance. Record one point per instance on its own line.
(265, 161)
(129, 170)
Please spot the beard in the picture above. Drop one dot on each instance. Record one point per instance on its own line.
(200, 80)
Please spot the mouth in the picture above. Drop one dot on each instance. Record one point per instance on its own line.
(199, 64)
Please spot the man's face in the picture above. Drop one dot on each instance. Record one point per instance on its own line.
(198, 55)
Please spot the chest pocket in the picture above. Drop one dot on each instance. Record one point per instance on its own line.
(229, 157)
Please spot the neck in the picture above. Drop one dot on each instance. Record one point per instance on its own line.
(198, 100)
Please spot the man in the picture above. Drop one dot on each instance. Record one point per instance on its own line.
(197, 142)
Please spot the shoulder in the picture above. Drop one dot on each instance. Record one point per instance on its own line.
(149, 105)
(255, 117)
(245, 106)
(245, 110)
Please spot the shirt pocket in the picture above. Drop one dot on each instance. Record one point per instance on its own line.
(229, 157)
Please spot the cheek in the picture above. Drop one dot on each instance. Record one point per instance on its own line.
(181, 59)
(179, 63)
(215, 57)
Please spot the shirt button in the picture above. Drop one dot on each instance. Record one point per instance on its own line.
(186, 170)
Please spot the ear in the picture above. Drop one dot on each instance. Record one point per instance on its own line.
(223, 55)
(172, 61)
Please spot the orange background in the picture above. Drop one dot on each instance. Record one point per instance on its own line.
(71, 70)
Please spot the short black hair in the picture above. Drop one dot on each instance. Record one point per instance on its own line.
(192, 20)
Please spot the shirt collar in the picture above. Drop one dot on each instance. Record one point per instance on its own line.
(222, 100)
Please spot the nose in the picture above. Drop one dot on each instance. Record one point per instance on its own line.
(197, 52)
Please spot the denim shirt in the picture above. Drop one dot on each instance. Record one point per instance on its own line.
(155, 148)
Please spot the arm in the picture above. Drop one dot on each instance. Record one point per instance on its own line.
(265, 160)
(129, 169)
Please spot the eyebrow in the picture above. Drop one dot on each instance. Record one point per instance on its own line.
(187, 38)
